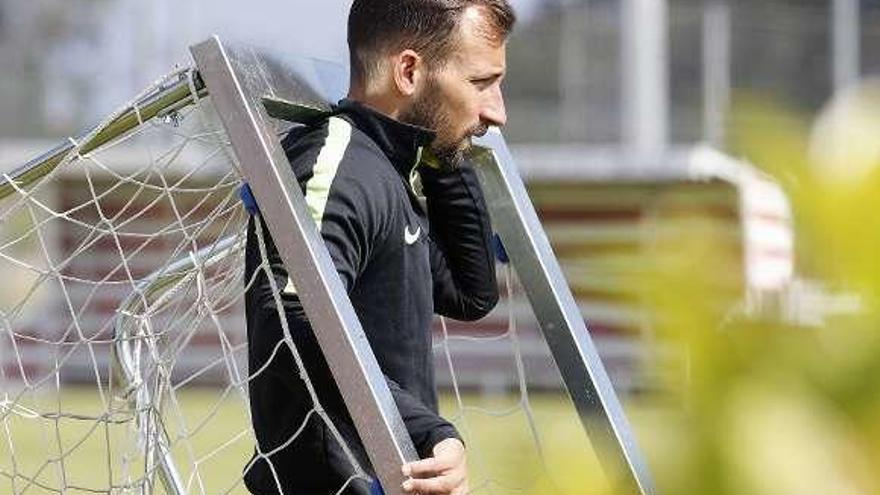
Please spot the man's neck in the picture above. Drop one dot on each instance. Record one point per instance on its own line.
(377, 100)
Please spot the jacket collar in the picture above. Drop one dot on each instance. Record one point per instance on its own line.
(402, 143)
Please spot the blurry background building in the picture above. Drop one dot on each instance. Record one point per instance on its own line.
(67, 63)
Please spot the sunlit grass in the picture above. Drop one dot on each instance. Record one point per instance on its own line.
(211, 445)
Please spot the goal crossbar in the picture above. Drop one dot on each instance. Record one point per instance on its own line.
(559, 318)
(164, 100)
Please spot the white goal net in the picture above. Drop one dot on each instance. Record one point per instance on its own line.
(123, 357)
(89, 253)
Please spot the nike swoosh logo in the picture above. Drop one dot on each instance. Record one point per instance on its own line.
(411, 237)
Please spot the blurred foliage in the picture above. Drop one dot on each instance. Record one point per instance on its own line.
(773, 407)
(767, 405)
(770, 406)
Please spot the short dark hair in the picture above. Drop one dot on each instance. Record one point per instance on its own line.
(376, 27)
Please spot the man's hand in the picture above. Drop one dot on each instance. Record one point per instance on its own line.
(443, 474)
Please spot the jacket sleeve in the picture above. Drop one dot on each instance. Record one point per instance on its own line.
(425, 427)
(462, 259)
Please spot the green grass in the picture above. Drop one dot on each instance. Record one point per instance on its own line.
(209, 429)
(212, 444)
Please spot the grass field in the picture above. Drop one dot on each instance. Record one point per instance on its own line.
(213, 443)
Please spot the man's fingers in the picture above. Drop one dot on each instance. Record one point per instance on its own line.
(426, 486)
(426, 467)
(443, 474)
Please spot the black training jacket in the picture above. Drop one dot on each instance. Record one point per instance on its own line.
(399, 263)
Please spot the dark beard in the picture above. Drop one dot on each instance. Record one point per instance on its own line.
(426, 111)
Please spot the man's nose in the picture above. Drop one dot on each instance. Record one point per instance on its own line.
(493, 108)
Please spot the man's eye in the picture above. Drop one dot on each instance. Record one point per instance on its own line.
(483, 82)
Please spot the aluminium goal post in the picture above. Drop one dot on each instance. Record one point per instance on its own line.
(240, 80)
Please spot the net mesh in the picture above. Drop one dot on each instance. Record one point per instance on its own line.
(123, 353)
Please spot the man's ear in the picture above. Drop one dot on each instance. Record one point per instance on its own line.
(407, 69)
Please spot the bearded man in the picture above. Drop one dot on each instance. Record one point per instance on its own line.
(401, 212)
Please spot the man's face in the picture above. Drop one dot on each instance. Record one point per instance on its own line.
(463, 98)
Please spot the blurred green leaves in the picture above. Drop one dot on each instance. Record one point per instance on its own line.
(768, 405)
(766, 402)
